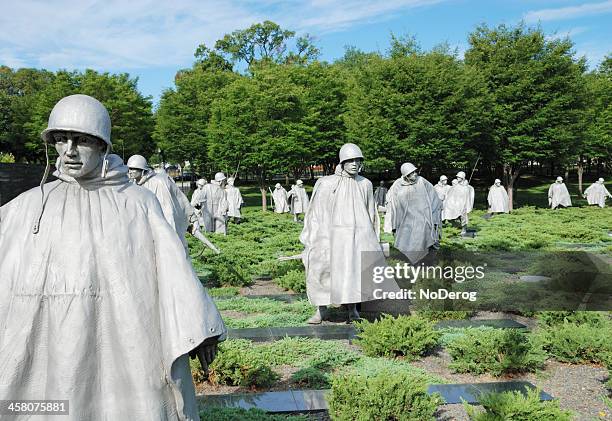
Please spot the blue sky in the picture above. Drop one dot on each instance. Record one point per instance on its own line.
(152, 39)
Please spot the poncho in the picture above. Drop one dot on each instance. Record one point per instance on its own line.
(216, 208)
(441, 190)
(341, 228)
(299, 200)
(459, 201)
(417, 212)
(176, 207)
(380, 196)
(558, 195)
(596, 194)
(234, 201)
(198, 198)
(498, 199)
(100, 307)
(280, 200)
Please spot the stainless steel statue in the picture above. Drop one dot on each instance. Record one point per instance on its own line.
(215, 219)
(596, 193)
(341, 227)
(558, 195)
(99, 305)
(279, 195)
(498, 198)
(299, 200)
(416, 214)
(459, 201)
(234, 200)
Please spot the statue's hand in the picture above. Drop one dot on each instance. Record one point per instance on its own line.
(206, 353)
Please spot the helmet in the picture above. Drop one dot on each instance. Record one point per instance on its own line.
(138, 161)
(230, 181)
(559, 178)
(278, 185)
(299, 182)
(601, 180)
(349, 151)
(407, 168)
(79, 113)
(219, 176)
(443, 177)
(497, 180)
(201, 182)
(461, 174)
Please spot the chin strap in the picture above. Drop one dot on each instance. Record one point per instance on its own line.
(105, 161)
(36, 226)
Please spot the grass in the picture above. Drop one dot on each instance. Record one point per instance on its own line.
(264, 312)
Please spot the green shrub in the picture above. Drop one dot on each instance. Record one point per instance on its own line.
(235, 414)
(551, 318)
(408, 336)
(517, 407)
(223, 291)
(495, 351)
(235, 367)
(573, 343)
(294, 280)
(387, 395)
(310, 378)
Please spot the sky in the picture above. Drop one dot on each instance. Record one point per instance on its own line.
(152, 39)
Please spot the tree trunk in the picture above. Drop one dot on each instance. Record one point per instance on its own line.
(580, 171)
(510, 175)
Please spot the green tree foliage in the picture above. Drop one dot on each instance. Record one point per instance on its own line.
(184, 112)
(538, 95)
(418, 107)
(28, 95)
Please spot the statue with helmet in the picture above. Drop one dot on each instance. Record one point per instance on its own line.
(215, 218)
(298, 199)
(279, 196)
(442, 188)
(497, 198)
(459, 202)
(198, 199)
(341, 238)
(415, 215)
(177, 209)
(99, 305)
(596, 193)
(234, 200)
(558, 195)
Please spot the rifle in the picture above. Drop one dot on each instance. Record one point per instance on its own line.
(237, 168)
(474, 169)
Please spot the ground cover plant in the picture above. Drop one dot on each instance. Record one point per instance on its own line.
(517, 407)
(384, 391)
(406, 336)
(263, 312)
(495, 351)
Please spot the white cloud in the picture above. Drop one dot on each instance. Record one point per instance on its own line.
(569, 12)
(567, 33)
(117, 34)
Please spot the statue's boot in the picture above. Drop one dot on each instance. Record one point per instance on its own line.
(317, 318)
(353, 314)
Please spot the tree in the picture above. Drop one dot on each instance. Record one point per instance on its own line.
(266, 42)
(184, 112)
(597, 144)
(538, 94)
(426, 108)
(260, 121)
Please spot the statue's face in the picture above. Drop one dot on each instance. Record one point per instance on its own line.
(412, 177)
(223, 183)
(444, 182)
(498, 183)
(460, 179)
(352, 166)
(79, 154)
(135, 174)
